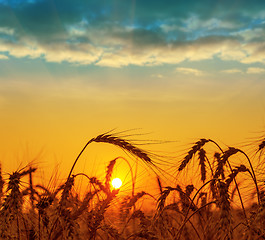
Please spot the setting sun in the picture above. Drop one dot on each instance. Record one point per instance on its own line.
(132, 119)
(116, 183)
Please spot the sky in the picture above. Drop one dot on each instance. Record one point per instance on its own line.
(179, 70)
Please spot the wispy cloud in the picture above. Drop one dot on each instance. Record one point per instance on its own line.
(191, 71)
(6, 30)
(3, 57)
(255, 53)
(157, 76)
(194, 23)
(249, 35)
(255, 70)
(232, 71)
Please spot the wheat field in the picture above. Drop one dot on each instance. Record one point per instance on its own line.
(227, 201)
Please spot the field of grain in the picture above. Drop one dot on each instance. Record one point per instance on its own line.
(227, 202)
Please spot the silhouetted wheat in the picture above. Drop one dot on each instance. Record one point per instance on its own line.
(222, 161)
(198, 145)
(12, 205)
(203, 210)
(2, 182)
(159, 184)
(125, 145)
(202, 158)
(241, 168)
(225, 210)
(109, 173)
(261, 145)
(162, 199)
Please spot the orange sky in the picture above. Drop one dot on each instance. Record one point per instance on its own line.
(178, 73)
(40, 117)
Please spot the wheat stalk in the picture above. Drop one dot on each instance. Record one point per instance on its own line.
(113, 232)
(223, 160)
(143, 235)
(261, 145)
(84, 205)
(185, 199)
(187, 219)
(125, 145)
(162, 199)
(202, 158)
(134, 199)
(225, 208)
(196, 147)
(159, 184)
(190, 206)
(63, 220)
(252, 173)
(128, 203)
(12, 205)
(109, 173)
(108, 138)
(231, 177)
(67, 187)
(144, 222)
(94, 181)
(258, 221)
(98, 213)
(2, 182)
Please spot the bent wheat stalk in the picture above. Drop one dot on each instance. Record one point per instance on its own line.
(196, 147)
(227, 154)
(178, 235)
(253, 175)
(125, 145)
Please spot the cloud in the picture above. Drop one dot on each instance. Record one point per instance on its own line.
(191, 71)
(157, 76)
(113, 35)
(79, 54)
(118, 47)
(194, 23)
(255, 70)
(3, 57)
(250, 35)
(128, 52)
(255, 53)
(6, 30)
(232, 71)
(165, 27)
(82, 53)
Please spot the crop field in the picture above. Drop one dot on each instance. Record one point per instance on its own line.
(227, 201)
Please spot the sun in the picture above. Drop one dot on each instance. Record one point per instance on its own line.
(116, 183)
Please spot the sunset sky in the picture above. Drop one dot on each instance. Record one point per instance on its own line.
(179, 70)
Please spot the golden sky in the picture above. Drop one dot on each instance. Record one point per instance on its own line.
(71, 71)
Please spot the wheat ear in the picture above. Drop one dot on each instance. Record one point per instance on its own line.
(225, 208)
(125, 145)
(2, 182)
(202, 158)
(109, 173)
(196, 147)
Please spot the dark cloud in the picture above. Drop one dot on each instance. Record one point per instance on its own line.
(114, 29)
(50, 16)
(39, 15)
(142, 37)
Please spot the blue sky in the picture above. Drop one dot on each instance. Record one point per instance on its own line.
(182, 69)
(142, 33)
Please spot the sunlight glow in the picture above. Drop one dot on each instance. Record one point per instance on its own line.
(116, 183)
